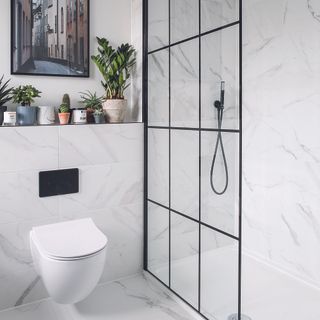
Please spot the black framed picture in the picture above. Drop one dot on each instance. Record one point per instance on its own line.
(50, 37)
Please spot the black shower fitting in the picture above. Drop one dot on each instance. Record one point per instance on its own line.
(219, 105)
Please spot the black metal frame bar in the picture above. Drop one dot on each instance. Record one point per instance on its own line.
(238, 238)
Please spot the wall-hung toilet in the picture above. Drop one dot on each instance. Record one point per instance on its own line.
(69, 257)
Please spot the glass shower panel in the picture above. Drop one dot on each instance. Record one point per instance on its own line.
(158, 166)
(184, 17)
(185, 172)
(185, 258)
(219, 275)
(185, 84)
(220, 210)
(158, 24)
(220, 62)
(158, 241)
(158, 84)
(217, 13)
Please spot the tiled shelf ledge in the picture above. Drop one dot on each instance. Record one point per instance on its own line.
(73, 124)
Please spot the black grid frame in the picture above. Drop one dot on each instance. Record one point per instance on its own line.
(200, 130)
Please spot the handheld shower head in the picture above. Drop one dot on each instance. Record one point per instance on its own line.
(219, 104)
(222, 90)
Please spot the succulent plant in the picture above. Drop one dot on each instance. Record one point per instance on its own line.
(25, 95)
(91, 100)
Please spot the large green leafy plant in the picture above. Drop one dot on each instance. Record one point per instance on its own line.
(115, 66)
(25, 95)
(5, 92)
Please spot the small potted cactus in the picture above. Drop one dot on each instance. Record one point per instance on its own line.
(24, 96)
(64, 110)
(98, 115)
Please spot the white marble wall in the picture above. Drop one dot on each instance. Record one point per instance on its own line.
(111, 192)
(281, 149)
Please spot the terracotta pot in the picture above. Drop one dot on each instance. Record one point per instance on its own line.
(115, 109)
(64, 118)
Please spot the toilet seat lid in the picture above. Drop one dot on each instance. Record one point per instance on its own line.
(69, 240)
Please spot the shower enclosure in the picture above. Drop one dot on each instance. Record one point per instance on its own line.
(192, 112)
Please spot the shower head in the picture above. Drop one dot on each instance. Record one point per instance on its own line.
(219, 104)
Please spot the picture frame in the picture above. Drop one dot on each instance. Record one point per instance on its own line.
(50, 38)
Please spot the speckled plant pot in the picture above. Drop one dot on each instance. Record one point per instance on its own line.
(46, 115)
(26, 116)
(115, 109)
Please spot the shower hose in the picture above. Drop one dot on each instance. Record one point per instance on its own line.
(219, 142)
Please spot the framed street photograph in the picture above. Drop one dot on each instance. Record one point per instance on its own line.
(50, 37)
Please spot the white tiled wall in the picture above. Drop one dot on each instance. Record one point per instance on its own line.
(110, 160)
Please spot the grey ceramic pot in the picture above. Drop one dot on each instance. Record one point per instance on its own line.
(26, 116)
(99, 118)
(2, 110)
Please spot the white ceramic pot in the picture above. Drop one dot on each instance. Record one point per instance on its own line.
(9, 118)
(79, 116)
(115, 109)
(46, 115)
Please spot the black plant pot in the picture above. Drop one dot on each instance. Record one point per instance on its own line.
(26, 116)
(2, 110)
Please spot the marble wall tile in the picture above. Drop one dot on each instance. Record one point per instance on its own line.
(217, 13)
(220, 62)
(158, 24)
(220, 211)
(184, 255)
(184, 19)
(158, 166)
(185, 172)
(111, 192)
(38, 148)
(158, 242)
(185, 84)
(19, 197)
(100, 144)
(105, 186)
(158, 88)
(21, 288)
(281, 129)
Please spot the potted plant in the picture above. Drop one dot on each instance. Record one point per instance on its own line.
(25, 95)
(98, 115)
(64, 113)
(5, 96)
(91, 102)
(66, 101)
(115, 67)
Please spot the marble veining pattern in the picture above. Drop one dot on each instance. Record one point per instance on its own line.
(109, 158)
(136, 298)
(281, 129)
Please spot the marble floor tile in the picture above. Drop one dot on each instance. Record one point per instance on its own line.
(135, 298)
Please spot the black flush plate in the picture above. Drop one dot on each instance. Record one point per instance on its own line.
(58, 182)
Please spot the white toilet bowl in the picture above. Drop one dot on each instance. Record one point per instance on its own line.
(69, 257)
